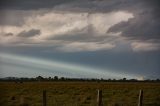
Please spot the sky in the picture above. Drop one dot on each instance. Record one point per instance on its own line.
(80, 38)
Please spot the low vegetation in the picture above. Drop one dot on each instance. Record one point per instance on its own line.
(71, 93)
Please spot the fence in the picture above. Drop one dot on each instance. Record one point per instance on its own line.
(99, 98)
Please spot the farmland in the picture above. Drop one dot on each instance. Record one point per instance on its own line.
(79, 93)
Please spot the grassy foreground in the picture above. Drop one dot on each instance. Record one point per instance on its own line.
(78, 93)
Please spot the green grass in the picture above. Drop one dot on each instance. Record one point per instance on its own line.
(78, 93)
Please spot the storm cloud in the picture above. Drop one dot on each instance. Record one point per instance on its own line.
(30, 4)
(29, 33)
(145, 24)
(8, 34)
(121, 35)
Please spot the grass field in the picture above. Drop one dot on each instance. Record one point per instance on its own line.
(79, 93)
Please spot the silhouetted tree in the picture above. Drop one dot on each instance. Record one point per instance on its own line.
(124, 79)
(62, 78)
(56, 78)
(49, 78)
(39, 78)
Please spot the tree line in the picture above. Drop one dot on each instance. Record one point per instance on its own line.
(56, 78)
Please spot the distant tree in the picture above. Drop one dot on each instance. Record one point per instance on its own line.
(124, 79)
(49, 78)
(102, 79)
(62, 78)
(39, 78)
(109, 79)
(55, 77)
(157, 79)
(114, 80)
(133, 80)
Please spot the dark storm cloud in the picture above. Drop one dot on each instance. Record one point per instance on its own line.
(8, 34)
(79, 37)
(30, 4)
(145, 25)
(29, 33)
(86, 34)
(84, 37)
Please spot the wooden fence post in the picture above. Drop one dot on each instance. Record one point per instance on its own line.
(23, 101)
(99, 98)
(140, 98)
(44, 98)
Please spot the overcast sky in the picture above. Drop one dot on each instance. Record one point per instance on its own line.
(80, 38)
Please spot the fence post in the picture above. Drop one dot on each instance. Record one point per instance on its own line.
(23, 101)
(99, 98)
(140, 98)
(44, 98)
